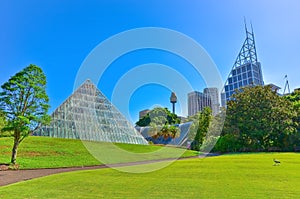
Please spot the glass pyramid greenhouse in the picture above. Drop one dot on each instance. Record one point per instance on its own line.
(88, 115)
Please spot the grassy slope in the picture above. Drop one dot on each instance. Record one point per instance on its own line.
(44, 152)
(228, 176)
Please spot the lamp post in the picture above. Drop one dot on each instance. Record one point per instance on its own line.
(173, 100)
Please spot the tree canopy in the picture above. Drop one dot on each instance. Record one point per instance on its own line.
(24, 102)
(294, 97)
(257, 119)
(158, 116)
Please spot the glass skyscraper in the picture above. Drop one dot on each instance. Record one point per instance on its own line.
(246, 70)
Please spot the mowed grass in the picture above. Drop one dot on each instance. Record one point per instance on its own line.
(45, 152)
(227, 176)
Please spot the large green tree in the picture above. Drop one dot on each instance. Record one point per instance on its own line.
(258, 119)
(200, 128)
(24, 102)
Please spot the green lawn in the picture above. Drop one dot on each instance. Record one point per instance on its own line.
(227, 176)
(44, 152)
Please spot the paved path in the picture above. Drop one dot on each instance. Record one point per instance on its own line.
(13, 176)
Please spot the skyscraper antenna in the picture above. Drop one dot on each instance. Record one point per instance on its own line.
(245, 24)
(251, 27)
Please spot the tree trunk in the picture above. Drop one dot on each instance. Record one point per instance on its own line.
(14, 152)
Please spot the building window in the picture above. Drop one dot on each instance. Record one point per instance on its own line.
(226, 88)
(235, 85)
(234, 79)
(249, 74)
(251, 81)
(244, 69)
(249, 68)
(233, 72)
(244, 75)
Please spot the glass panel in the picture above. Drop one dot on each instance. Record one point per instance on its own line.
(226, 88)
(244, 76)
(251, 81)
(235, 86)
(244, 69)
(249, 74)
(248, 67)
(234, 79)
(233, 72)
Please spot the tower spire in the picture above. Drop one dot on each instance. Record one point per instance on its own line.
(245, 23)
(173, 100)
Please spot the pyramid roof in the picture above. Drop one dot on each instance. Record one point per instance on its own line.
(88, 115)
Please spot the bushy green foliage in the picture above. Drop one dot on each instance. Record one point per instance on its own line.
(2, 122)
(160, 120)
(208, 127)
(228, 143)
(294, 98)
(208, 143)
(158, 116)
(258, 119)
(199, 128)
(24, 102)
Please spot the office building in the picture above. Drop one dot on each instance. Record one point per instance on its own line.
(213, 93)
(246, 70)
(197, 101)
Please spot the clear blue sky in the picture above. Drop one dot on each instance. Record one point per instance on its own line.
(57, 35)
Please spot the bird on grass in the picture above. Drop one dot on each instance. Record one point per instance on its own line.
(276, 162)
